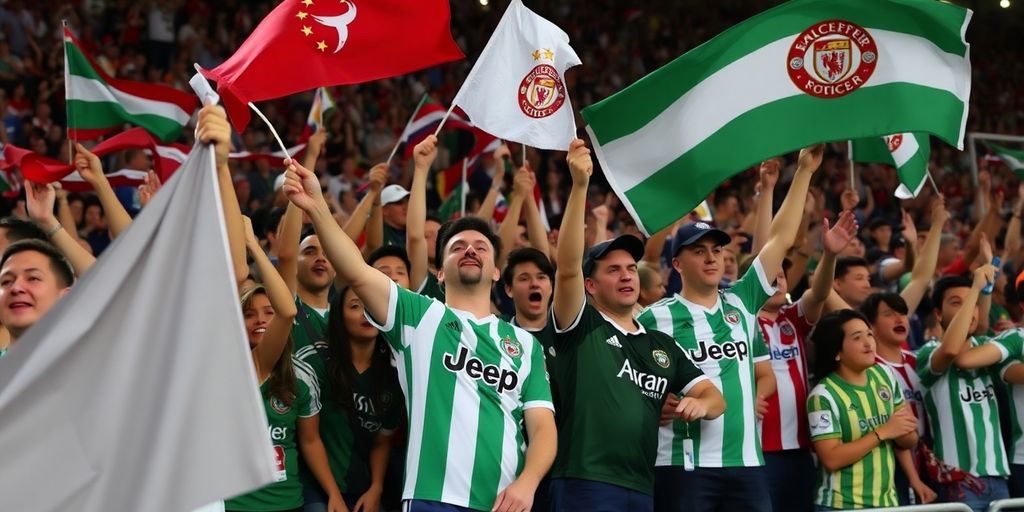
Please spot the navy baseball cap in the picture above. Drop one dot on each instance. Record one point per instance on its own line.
(628, 243)
(692, 233)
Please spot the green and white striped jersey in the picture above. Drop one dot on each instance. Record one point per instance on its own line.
(724, 342)
(467, 383)
(839, 410)
(963, 415)
(1011, 344)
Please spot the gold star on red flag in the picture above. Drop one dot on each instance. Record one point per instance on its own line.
(307, 3)
(307, 30)
(301, 15)
(321, 45)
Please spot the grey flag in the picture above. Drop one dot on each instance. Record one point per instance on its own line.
(137, 390)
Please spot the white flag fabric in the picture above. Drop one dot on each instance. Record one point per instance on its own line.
(516, 90)
(137, 390)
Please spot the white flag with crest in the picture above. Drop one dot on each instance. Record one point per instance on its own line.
(516, 91)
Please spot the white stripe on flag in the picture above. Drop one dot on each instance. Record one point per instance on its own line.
(647, 150)
(88, 89)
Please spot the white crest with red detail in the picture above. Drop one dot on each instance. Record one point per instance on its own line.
(832, 59)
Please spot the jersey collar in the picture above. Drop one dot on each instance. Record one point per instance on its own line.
(640, 327)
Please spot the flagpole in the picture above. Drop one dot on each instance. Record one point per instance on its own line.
(472, 72)
(272, 130)
(462, 190)
(853, 181)
(524, 154)
(413, 116)
(928, 172)
(67, 94)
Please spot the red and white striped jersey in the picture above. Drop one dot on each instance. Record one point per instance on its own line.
(906, 373)
(785, 423)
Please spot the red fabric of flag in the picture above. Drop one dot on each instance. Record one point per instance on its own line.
(304, 44)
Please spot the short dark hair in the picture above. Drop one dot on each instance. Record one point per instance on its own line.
(58, 263)
(467, 224)
(869, 308)
(828, 336)
(389, 250)
(434, 218)
(944, 284)
(526, 255)
(273, 221)
(843, 265)
(18, 229)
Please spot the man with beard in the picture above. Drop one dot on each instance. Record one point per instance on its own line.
(612, 374)
(470, 379)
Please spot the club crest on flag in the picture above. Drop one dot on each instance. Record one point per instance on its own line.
(832, 59)
(894, 141)
(541, 93)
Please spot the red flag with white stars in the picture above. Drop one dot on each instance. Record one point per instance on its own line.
(305, 44)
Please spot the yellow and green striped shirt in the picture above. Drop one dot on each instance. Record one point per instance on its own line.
(839, 410)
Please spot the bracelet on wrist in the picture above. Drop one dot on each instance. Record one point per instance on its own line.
(880, 440)
(53, 231)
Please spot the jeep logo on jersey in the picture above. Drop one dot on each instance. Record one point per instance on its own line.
(661, 358)
(728, 350)
(785, 354)
(978, 395)
(512, 346)
(279, 406)
(504, 380)
(884, 394)
(650, 385)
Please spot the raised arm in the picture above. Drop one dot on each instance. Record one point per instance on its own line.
(486, 211)
(893, 271)
(280, 327)
(416, 216)
(787, 222)
(1011, 246)
(924, 267)
(534, 224)
(569, 291)
(765, 199)
(213, 128)
(64, 214)
(521, 184)
(835, 240)
(956, 334)
(985, 299)
(39, 200)
(364, 211)
(373, 288)
(288, 233)
(375, 224)
(655, 245)
(89, 167)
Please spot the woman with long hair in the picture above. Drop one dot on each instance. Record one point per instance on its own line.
(290, 406)
(361, 403)
(857, 417)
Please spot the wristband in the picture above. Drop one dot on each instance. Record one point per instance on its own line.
(880, 440)
(53, 231)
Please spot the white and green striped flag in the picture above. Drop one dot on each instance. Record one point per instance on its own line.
(1013, 158)
(99, 103)
(907, 152)
(805, 72)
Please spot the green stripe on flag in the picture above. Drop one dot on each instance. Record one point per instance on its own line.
(453, 205)
(733, 148)
(93, 115)
(1013, 158)
(630, 109)
(910, 157)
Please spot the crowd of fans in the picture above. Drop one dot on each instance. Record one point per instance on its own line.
(868, 268)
